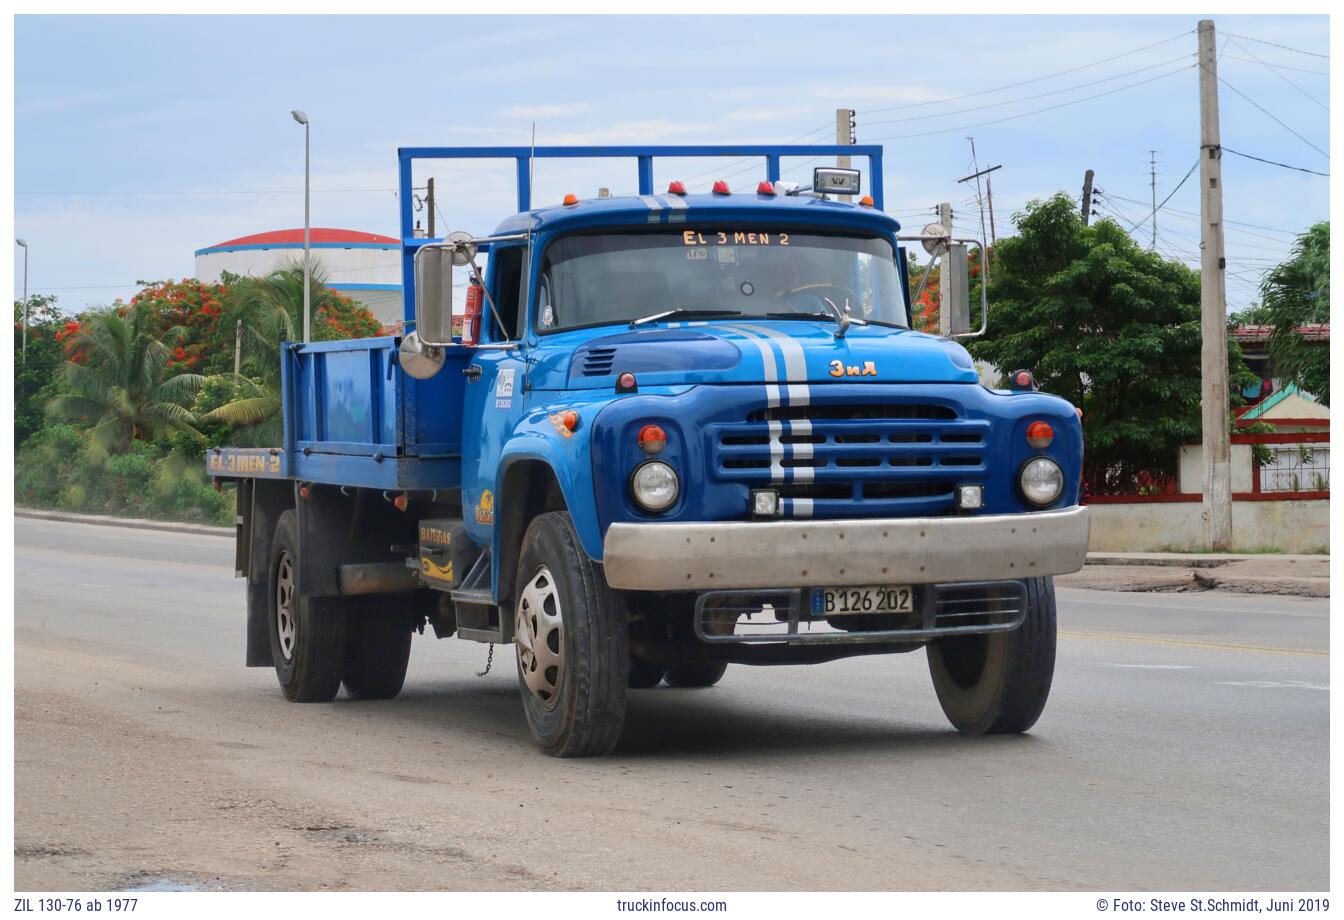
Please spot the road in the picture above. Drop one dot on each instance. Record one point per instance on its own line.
(1184, 747)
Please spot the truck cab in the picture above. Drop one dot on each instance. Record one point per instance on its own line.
(678, 431)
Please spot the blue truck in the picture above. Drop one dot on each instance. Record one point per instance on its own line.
(677, 431)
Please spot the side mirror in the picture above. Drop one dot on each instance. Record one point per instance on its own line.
(434, 295)
(956, 294)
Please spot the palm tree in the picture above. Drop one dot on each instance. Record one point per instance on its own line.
(120, 385)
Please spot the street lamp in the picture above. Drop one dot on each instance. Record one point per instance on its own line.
(23, 359)
(302, 119)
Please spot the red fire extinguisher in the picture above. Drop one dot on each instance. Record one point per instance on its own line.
(471, 320)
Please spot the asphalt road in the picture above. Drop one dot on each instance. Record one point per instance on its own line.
(1184, 747)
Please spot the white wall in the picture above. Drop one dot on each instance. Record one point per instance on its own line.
(1292, 526)
(351, 266)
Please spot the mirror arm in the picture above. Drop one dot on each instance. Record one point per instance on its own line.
(490, 300)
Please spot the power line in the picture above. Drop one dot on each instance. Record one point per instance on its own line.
(1274, 162)
(1053, 92)
(1192, 214)
(1232, 57)
(1154, 211)
(1277, 45)
(1273, 118)
(1050, 108)
(1051, 76)
(1275, 71)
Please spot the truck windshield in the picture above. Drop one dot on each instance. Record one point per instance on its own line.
(593, 279)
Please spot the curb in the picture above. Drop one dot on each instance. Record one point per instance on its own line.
(204, 530)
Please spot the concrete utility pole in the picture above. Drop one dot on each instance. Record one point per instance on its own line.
(844, 134)
(1152, 181)
(954, 311)
(1213, 304)
(429, 205)
(1087, 196)
(237, 347)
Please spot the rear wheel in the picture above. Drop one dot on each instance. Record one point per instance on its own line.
(998, 683)
(696, 674)
(571, 635)
(307, 633)
(377, 649)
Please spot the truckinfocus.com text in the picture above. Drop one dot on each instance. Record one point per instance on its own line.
(652, 905)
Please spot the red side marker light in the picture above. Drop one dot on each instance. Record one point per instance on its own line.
(1022, 380)
(676, 187)
(626, 383)
(652, 439)
(765, 188)
(400, 502)
(1040, 434)
(721, 188)
(303, 491)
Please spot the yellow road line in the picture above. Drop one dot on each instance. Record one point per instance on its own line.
(1194, 643)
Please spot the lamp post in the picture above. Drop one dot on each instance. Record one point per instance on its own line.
(23, 359)
(302, 119)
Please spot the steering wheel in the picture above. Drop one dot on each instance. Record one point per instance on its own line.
(850, 295)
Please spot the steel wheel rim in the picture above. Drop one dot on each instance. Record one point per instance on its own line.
(538, 633)
(285, 627)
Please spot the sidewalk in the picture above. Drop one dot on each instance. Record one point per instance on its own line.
(1262, 573)
(1265, 573)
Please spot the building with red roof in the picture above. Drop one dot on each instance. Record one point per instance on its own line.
(364, 266)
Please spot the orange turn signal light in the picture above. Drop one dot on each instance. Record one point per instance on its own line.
(571, 199)
(866, 201)
(570, 420)
(652, 439)
(1040, 434)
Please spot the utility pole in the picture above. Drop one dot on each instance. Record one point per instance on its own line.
(844, 134)
(953, 298)
(1213, 304)
(23, 353)
(1087, 196)
(237, 348)
(1152, 181)
(301, 118)
(429, 206)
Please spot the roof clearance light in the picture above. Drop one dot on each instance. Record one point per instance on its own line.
(1040, 434)
(652, 439)
(676, 187)
(721, 188)
(571, 199)
(765, 188)
(866, 201)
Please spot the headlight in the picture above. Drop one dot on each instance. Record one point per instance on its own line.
(655, 486)
(1041, 480)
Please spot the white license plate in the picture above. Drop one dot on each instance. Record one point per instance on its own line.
(835, 602)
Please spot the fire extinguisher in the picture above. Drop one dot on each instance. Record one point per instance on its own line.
(471, 320)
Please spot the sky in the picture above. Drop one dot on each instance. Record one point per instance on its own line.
(139, 139)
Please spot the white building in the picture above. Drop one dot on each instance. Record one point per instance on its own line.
(363, 266)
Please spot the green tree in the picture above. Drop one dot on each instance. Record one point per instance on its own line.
(35, 371)
(272, 311)
(1296, 293)
(1107, 325)
(117, 381)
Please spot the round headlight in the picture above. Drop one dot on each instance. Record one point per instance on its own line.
(1042, 480)
(655, 486)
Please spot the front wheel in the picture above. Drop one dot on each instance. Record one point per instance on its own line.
(998, 683)
(571, 635)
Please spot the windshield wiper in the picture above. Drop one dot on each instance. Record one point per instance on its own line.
(654, 317)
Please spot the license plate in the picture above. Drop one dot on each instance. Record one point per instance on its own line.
(835, 602)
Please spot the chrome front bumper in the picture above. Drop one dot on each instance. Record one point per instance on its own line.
(799, 554)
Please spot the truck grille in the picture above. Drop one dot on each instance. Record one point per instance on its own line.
(850, 460)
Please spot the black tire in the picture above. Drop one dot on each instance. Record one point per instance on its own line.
(377, 649)
(644, 674)
(583, 710)
(696, 674)
(998, 683)
(309, 654)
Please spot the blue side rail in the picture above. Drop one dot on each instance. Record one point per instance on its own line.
(771, 154)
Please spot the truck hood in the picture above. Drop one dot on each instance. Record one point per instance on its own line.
(764, 351)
